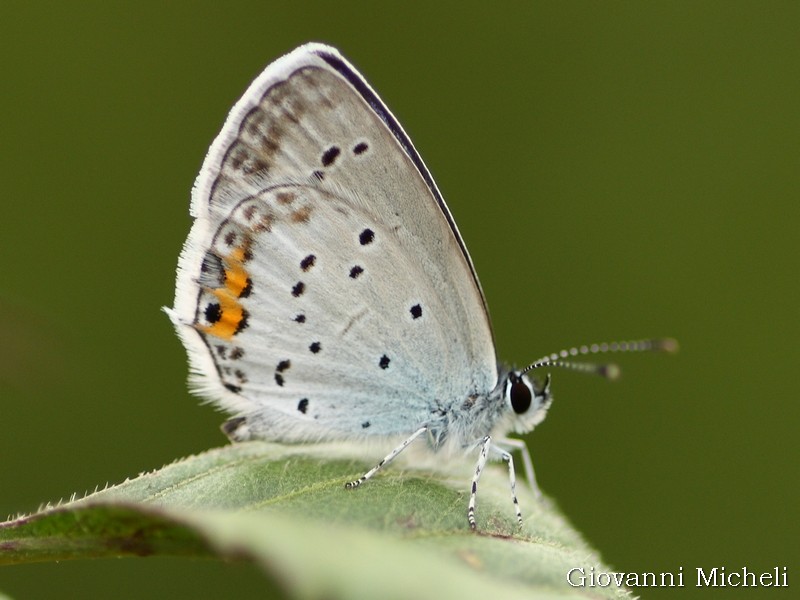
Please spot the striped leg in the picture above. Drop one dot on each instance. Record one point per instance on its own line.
(482, 456)
(351, 485)
(526, 461)
(512, 478)
(487, 446)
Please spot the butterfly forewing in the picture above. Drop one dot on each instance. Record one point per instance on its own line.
(323, 285)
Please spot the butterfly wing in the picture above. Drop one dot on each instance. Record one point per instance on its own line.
(324, 290)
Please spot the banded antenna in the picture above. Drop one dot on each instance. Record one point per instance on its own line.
(608, 370)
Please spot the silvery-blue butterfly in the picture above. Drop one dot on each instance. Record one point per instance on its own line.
(324, 291)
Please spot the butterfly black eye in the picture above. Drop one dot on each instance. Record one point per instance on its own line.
(520, 395)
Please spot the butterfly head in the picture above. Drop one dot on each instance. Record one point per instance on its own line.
(526, 399)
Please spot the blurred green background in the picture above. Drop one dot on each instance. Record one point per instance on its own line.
(618, 170)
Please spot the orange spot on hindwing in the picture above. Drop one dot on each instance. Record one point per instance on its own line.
(237, 280)
(225, 316)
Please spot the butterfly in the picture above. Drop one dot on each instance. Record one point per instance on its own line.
(324, 291)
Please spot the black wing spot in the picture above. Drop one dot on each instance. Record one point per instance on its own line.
(416, 311)
(329, 156)
(237, 353)
(365, 424)
(315, 347)
(360, 148)
(366, 237)
(233, 388)
(243, 322)
(301, 318)
(213, 312)
(384, 362)
(212, 271)
(356, 271)
(279, 379)
(318, 175)
(247, 289)
(229, 238)
(308, 262)
(298, 289)
(247, 248)
(302, 406)
(283, 365)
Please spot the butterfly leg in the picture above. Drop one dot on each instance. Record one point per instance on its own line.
(482, 456)
(389, 458)
(530, 475)
(487, 446)
(512, 479)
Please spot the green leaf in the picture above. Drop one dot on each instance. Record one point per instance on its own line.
(404, 533)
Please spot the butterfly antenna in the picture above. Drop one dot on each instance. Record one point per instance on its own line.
(610, 370)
